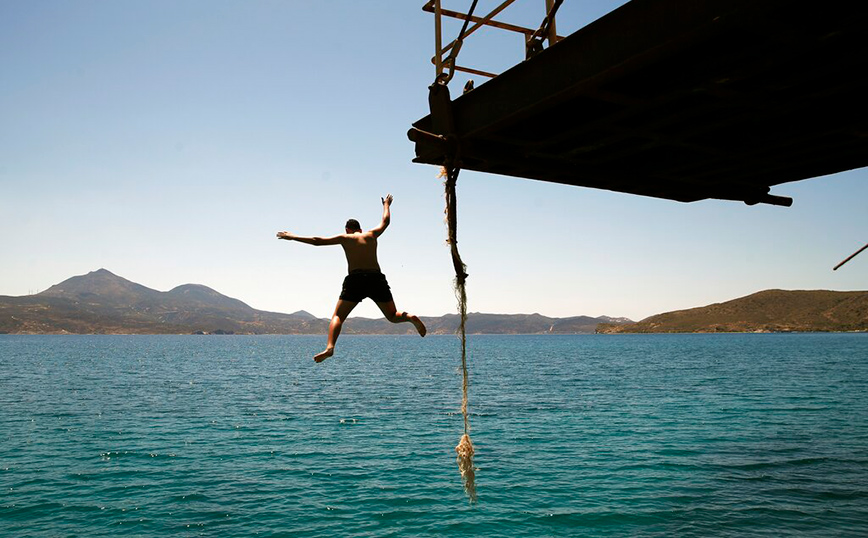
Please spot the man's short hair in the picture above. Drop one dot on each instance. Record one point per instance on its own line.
(353, 225)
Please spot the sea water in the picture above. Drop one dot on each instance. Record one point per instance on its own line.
(594, 435)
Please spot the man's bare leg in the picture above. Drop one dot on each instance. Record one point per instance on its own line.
(342, 310)
(394, 316)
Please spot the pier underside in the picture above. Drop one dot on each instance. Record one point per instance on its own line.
(677, 99)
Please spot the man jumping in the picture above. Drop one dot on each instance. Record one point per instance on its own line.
(364, 278)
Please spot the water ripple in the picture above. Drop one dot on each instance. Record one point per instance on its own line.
(636, 435)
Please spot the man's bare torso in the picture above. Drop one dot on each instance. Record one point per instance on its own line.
(361, 251)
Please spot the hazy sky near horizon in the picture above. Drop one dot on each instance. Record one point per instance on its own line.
(169, 141)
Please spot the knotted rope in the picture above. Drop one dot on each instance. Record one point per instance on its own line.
(465, 446)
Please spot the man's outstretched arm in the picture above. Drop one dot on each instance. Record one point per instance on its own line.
(387, 216)
(316, 241)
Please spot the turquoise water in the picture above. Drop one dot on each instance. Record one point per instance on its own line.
(623, 435)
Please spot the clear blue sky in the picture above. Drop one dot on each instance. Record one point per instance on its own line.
(169, 141)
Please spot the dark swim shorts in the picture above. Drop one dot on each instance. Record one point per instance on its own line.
(363, 283)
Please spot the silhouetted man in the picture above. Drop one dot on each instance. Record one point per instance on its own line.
(364, 278)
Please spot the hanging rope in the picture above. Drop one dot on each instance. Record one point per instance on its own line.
(465, 446)
(444, 127)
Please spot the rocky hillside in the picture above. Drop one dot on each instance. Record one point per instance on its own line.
(765, 311)
(101, 302)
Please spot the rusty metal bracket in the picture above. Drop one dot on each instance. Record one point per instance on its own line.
(445, 65)
(440, 144)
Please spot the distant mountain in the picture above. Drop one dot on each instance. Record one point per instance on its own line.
(101, 285)
(101, 302)
(607, 319)
(205, 297)
(478, 323)
(765, 311)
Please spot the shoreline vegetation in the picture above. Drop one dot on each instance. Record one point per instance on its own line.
(101, 302)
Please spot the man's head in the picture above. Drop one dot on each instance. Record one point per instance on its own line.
(353, 226)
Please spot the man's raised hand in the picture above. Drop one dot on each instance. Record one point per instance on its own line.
(387, 200)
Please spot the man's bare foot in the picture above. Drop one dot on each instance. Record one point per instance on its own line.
(319, 357)
(419, 325)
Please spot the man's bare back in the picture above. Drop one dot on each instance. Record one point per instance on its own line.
(364, 279)
(360, 249)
